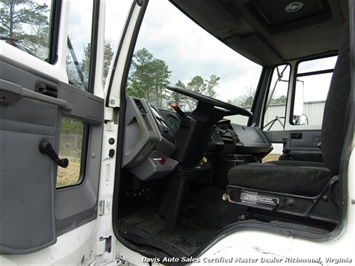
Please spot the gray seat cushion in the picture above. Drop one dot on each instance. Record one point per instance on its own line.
(297, 163)
(302, 180)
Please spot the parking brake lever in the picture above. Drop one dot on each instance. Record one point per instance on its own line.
(184, 120)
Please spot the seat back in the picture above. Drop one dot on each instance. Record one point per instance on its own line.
(334, 119)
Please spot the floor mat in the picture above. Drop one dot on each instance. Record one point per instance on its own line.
(146, 228)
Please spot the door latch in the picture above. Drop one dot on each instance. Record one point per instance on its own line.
(46, 148)
(46, 90)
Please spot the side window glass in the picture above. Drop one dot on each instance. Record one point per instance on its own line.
(78, 61)
(312, 85)
(79, 43)
(26, 26)
(274, 118)
(70, 147)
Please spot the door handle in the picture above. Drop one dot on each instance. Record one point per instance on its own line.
(296, 136)
(10, 93)
(46, 90)
(46, 148)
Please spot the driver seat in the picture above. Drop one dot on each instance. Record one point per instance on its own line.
(302, 189)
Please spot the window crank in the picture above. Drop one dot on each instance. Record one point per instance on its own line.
(46, 148)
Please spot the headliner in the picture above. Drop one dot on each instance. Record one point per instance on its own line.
(264, 32)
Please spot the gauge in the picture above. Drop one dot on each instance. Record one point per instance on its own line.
(173, 122)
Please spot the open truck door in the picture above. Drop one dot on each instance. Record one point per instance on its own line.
(57, 138)
(51, 127)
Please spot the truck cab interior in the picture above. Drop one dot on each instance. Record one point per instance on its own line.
(187, 179)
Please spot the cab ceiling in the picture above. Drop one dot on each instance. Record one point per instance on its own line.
(269, 32)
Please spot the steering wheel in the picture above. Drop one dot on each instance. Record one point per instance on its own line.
(230, 109)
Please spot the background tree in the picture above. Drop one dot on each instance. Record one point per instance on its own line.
(12, 15)
(16, 14)
(178, 98)
(279, 100)
(85, 63)
(199, 85)
(148, 78)
(244, 100)
(211, 84)
(139, 79)
(108, 55)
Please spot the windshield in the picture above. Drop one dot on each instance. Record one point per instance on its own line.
(172, 49)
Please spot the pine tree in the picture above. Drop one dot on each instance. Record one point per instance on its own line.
(26, 22)
(149, 78)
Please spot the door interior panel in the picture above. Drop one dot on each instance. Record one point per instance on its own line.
(304, 145)
(298, 145)
(27, 176)
(305, 140)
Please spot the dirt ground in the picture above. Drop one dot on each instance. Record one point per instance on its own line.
(70, 175)
(271, 157)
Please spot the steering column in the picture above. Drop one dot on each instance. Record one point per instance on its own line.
(192, 138)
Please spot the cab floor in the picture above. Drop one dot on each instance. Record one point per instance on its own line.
(203, 215)
(146, 228)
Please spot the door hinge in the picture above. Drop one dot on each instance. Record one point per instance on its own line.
(108, 113)
(104, 207)
(104, 245)
(120, 260)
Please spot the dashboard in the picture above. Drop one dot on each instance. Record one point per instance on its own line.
(151, 134)
(148, 141)
(228, 138)
(172, 119)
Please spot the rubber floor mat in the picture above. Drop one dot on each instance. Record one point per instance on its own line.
(146, 228)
